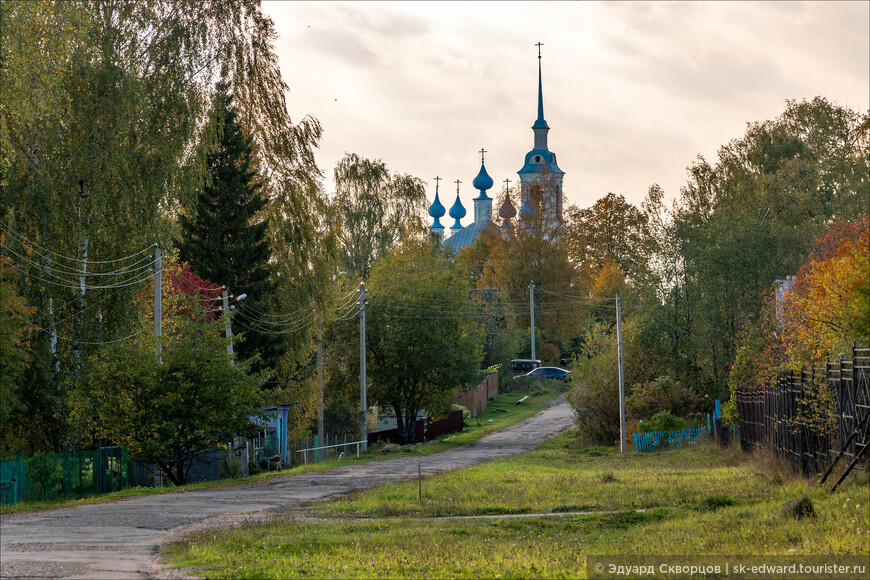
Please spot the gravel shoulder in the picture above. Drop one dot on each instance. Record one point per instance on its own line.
(121, 539)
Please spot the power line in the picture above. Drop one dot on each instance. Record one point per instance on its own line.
(70, 272)
(79, 312)
(12, 233)
(103, 342)
(50, 271)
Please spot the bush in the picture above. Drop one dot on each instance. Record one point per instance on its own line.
(661, 421)
(662, 394)
(466, 414)
(595, 398)
(549, 354)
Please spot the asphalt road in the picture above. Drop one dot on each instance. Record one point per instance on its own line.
(121, 539)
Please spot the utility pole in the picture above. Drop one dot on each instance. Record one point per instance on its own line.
(158, 300)
(226, 298)
(362, 364)
(621, 377)
(532, 304)
(319, 381)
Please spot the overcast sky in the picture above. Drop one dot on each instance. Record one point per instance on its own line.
(633, 91)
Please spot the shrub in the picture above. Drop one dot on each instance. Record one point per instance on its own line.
(595, 398)
(549, 354)
(662, 394)
(661, 421)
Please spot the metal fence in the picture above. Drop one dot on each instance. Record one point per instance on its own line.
(52, 476)
(652, 440)
(306, 450)
(813, 416)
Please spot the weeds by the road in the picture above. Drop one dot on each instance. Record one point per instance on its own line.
(699, 500)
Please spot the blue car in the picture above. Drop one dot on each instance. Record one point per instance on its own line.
(554, 373)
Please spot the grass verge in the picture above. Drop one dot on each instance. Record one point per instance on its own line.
(699, 500)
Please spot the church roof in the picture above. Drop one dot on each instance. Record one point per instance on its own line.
(436, 210)
(457, 212)
(507, 210)
(537, 159)
(482, 182)
(467, 235)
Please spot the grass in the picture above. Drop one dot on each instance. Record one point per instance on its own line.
(501, 412)
(699, 500)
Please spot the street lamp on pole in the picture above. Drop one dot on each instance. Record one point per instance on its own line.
(226, 300)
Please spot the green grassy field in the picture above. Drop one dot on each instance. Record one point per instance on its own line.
(699, 500)
(501, 412)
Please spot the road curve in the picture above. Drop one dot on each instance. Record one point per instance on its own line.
(120, 539)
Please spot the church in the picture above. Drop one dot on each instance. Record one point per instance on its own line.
(538, 167)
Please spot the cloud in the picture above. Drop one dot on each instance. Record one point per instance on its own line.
(633, 91)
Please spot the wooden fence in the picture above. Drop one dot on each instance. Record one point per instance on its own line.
(424, 430)
(810, 416)
(475, 399)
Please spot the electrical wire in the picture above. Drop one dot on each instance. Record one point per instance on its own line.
(287, 323)
(10, 232)
(71, 283)
(70, 272)
(572, 297)
(144, 275)
(79, 312)
(347, 316)
(279, 317)
(103, 342)
(266, 331)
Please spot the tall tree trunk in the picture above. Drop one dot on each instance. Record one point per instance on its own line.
(85, 220)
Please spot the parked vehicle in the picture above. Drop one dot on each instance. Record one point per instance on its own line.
(554, 373)
(522, 366)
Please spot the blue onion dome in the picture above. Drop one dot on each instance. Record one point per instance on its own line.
(507, 210)
(457, 212)
(483, 181)
(436, 210)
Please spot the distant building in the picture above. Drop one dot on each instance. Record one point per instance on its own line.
(539, 171)
(783, 289)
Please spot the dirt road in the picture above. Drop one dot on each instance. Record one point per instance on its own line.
(121, 539)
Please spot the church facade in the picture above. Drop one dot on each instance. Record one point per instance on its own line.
(539, 176)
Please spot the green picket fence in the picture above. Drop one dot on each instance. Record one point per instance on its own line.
(53, 476)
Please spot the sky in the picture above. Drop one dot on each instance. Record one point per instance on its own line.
(633, 91)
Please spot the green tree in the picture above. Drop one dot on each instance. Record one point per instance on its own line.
(15, 330)
(612, 230)
(745, 221)
(422, 345)
(167, 413)
(226, 239)
(374, 209)
(102, 110)
(534, 251)
(594, 397)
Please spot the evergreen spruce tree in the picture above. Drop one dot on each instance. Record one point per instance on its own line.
(226, 240)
